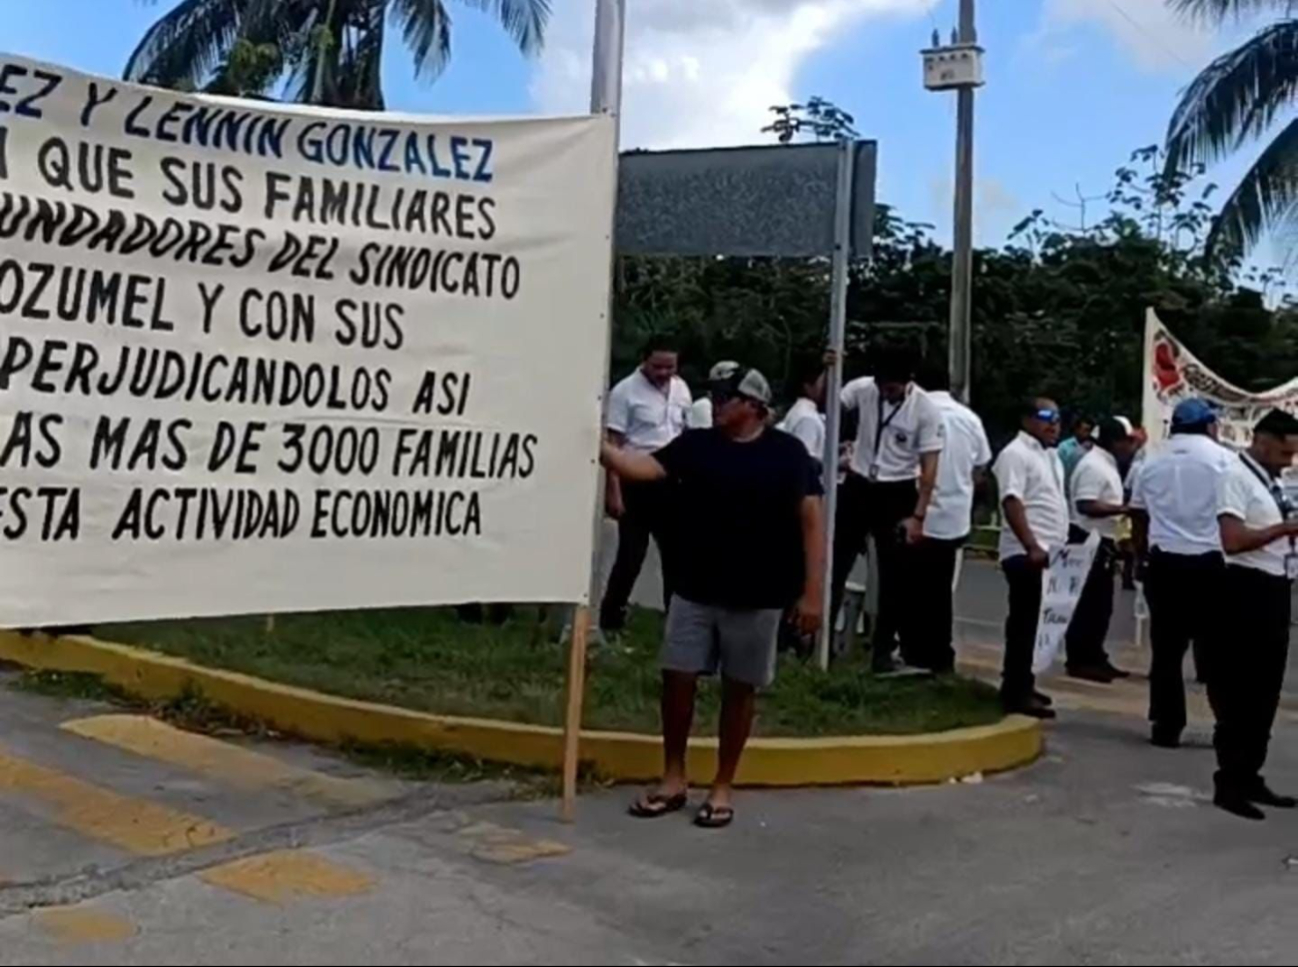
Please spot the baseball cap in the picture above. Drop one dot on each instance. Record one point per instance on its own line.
(748, 383)
(1193, 413)
(723, 372)
(1115, 430)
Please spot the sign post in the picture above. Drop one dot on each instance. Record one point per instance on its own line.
(605, 99)
(833, 407)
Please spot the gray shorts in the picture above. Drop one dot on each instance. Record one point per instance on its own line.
(703, 639)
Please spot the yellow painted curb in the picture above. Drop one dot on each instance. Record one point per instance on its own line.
(850, 760)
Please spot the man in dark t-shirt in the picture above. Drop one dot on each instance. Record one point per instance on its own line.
(749, 548)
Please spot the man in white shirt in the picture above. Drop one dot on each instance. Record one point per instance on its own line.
(1030, 478)
(1260, 537)
(1097, 501)
(700, 416)
(806, 419)
(646, 411)
(886, 495)
(1174, 510)
(966, 453)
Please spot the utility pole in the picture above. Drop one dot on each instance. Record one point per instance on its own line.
(962, 264)
(959, 68)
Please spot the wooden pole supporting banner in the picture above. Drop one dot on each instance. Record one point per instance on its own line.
(572, 720)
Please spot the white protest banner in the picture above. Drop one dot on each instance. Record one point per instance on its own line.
(260, 358)
(1061, 589)
(1172, 373)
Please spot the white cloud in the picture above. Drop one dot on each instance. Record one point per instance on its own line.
(701, 72)
(1156, 37)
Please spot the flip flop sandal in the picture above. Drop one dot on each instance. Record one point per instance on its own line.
(714, 817)
(656, 805)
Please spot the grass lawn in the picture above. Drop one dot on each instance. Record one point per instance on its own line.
(427, 659)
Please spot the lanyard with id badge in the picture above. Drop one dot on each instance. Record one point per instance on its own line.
(1285, 507)
(880, 425)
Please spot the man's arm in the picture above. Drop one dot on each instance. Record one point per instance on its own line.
(810, 611)
(1238, 538)
(630, 465)
(928, 464)
(1016, 515)
(1140, 532)
(614, 505)
(1098, 508)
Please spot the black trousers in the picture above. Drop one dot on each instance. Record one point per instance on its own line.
(935, 563)
(648, 514)
(1184, 595)
(1249, 655)
(866, 508)
(1090, 625)
(1024, 579)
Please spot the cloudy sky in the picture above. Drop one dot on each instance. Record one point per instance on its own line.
(1074, 85)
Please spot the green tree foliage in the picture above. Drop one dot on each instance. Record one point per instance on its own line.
(1059, 309)
(1242, 97)
(332, 50)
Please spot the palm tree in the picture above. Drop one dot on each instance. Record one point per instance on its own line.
(332, 50)
(1240, 98)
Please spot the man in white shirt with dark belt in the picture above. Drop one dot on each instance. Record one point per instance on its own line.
(646, 411)
(1251, 648)
(1097, 500)
(1174, 510)
(886, 495)
(1030, 478)
(966, 453)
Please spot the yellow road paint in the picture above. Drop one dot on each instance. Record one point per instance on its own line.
(506, 846)
(137, 826)
(83, 925)
(286, 875)
(229, 763)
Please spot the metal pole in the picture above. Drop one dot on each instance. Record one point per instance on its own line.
(834, 391)
(605, 98)
(962, 263)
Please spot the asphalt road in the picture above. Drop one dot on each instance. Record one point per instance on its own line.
(1103, 853)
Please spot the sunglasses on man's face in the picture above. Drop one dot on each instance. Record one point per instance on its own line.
(1048, 416)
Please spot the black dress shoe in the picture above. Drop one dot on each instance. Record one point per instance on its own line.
(1264, 796)
(1238, 805)
(1043, 699)
(1165, 740)
(1032, 709)
(1116, 673)
(1091, 673)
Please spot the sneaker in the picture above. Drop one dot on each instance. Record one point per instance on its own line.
(1238, 805)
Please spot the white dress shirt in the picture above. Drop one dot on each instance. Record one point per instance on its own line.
(892, 437)
(1035, 475)
(1177, 486)
(1097, 478)
(1242, 494)
(647, 416)
(950, 513)
(805, 421)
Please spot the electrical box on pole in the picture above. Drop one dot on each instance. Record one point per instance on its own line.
(954, 67)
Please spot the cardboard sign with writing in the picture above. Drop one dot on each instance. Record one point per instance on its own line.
(1061, 589)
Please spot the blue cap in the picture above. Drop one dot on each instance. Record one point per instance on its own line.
(1193, 413)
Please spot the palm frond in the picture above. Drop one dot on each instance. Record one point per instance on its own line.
(426, 26)
(185, 45)
(1220, 11)
(1236, 98)
(1266, 199)
(524, 20)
